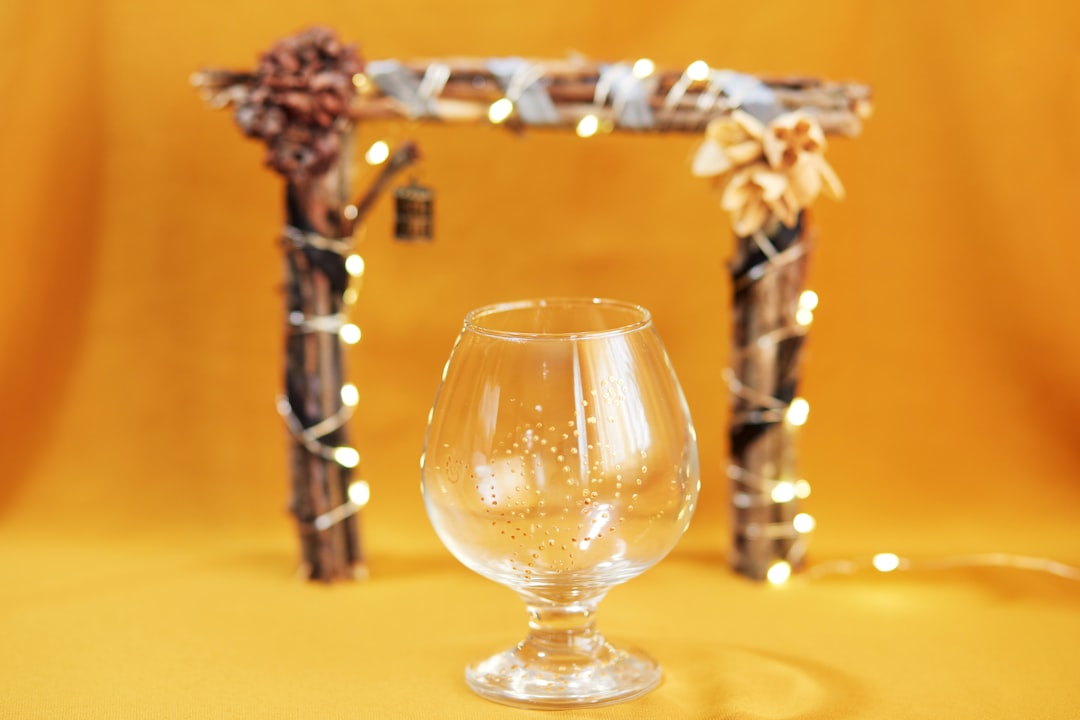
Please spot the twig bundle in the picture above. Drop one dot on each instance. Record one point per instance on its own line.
(299, 103)
(768, 275)
(559, 93)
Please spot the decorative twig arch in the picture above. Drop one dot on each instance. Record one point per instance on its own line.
(763, 147)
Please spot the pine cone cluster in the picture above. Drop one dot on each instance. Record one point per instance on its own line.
(302, 89)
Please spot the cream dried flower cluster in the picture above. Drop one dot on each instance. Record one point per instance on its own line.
(765, 171)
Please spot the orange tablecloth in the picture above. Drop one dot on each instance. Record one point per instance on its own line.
(146, 562)
(188, 625)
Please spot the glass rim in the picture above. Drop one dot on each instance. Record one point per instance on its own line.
(642, 320)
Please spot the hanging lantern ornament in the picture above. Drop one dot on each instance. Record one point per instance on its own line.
(413, 212)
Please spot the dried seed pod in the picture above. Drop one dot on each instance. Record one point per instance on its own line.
(302, 89)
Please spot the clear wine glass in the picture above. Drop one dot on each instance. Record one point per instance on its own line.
(560, 460)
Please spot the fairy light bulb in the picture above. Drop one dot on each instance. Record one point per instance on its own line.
(783, 491)
(797, 412)
(377, 153)
(359, 493)
(351, 212)
(779, 572)
(802, 489)
(350, 296)
(804, 311)
(346, 456)
(588, 126)
(500, 110)
(643, 68)
(698, 70)
(354, 265)
(886, 562)
(803, 523)
(350, 395)
(349, 334)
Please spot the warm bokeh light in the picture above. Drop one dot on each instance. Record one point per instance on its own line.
(354, 265)
(803, 523)
(350, 334)
(779, 572)
(350, 395)
(500, 110)
(588, 126)
(783, 491)
(698, 70)
(643, 68)
(346, 456)
(798, 412)
(377, 153)
(359, 493)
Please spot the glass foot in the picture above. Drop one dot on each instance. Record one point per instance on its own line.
(541, 677)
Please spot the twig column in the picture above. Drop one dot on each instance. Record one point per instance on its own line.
(768, 277)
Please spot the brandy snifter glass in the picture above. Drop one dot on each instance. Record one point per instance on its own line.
(560, 461)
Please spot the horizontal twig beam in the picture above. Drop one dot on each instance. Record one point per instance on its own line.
(557, 94)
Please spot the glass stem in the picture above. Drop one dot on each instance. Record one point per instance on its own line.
(563, 629)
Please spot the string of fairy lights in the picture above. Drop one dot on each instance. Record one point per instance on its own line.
(616, 103)
(337, 324)
(795, 414)
(887, 562)
(613, 84)
(621, 98)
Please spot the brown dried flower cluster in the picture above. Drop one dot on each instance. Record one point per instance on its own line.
(299, 100)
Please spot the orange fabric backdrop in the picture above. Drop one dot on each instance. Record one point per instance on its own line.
(141, 318)
(140, 310)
